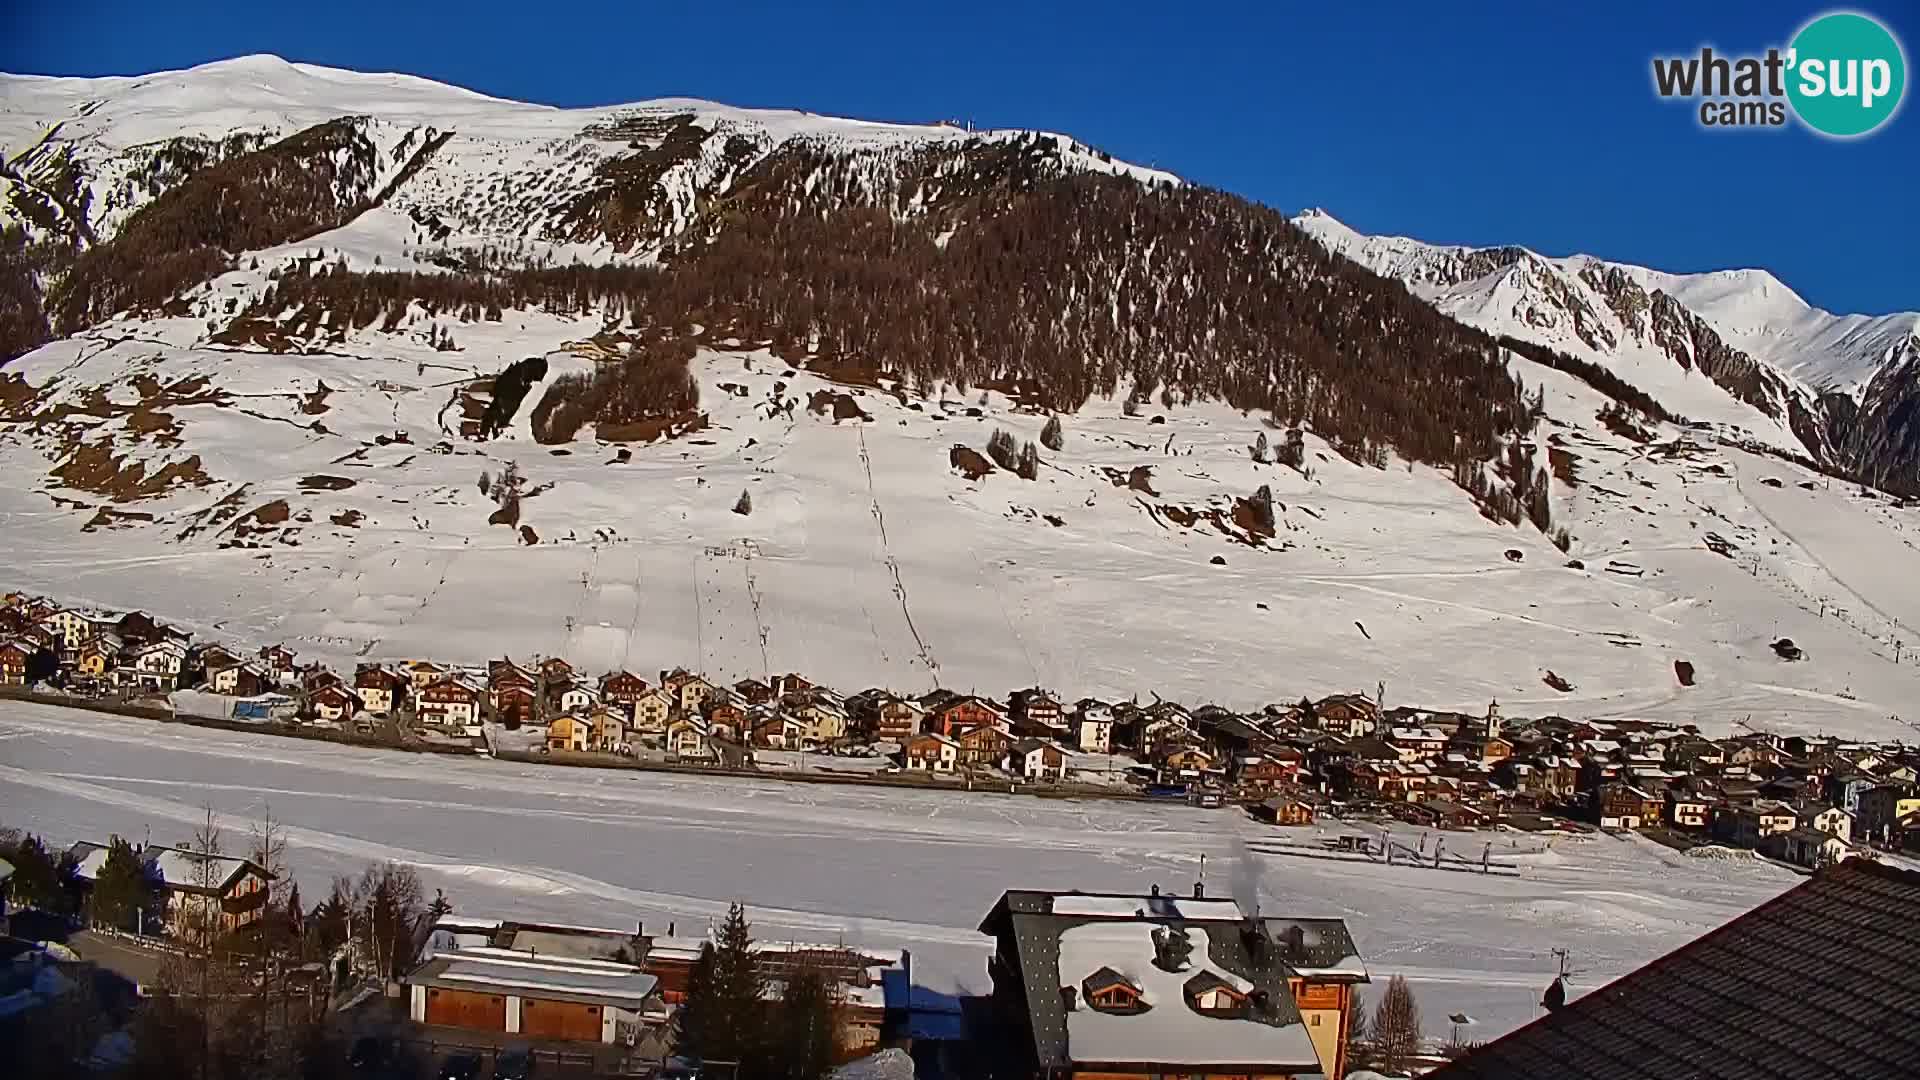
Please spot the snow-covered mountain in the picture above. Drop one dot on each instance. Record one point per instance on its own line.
(508, 171)
(274, 323)
(1734, 347)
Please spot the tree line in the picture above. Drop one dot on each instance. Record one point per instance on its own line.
(964, 263)
(1081, 286)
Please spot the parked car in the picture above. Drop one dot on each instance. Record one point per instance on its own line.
(464, 1065)
(369, 1054)
(514, 1063)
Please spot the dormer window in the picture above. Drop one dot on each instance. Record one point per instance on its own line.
(1211, 995)
(1108, 991)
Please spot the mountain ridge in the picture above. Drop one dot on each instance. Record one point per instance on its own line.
(1798, 377)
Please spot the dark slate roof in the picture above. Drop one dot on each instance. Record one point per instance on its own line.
(1106, 977)
(1207, 980)
(1326, 949)
(1821, 982)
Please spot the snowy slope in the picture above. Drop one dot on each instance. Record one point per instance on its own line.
(1760, 314)
(1610, 313)
(867, 560)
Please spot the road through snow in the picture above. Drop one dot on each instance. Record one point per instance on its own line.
(885, 866)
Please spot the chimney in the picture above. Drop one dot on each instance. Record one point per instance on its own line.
(1069, 997)
(1296, 943)
(1199, 890)
(1156, 890)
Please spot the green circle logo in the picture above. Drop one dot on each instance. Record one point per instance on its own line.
(1846, 74)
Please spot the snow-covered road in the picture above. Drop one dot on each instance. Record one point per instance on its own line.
(884, 866)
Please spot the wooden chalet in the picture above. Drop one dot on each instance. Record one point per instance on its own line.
(1039, 760)
(753, 691)
(897, 719)
(983, 747)
(515, 705)
(450, 702)
(379, 688)
(1283, 810)
(931, 752)
(964, 713)
(13, 663)
(555, 669)
(1036, 712)
(623, 688)
(332, 703)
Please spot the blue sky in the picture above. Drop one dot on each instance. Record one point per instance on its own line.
(1482, 123)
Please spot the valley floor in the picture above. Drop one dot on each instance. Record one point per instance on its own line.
(885, 867)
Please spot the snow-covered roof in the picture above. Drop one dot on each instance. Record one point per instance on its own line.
(1169, 1031)
(1127, 907)
(592, 982)
(182, 869)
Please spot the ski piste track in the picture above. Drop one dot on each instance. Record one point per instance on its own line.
(893, 564)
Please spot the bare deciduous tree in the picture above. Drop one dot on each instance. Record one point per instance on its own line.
(1396, 1026)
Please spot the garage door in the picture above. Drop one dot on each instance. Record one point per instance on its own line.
(466, 1009)
(560, 1020)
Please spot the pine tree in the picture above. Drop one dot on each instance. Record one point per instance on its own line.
(123, 894)
(1051, 436)
(1262, 454)
(1028, 463)
(38, 876)
(1262, 504)
(744, 506)
(1396, 1027)
(725, 1021)
(1294, 451)
(296, 915)
(1003, 450)
(804, 1027)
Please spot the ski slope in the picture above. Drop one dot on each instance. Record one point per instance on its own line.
(868, 561)
(880, 866)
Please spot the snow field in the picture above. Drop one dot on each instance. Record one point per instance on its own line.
(884, 867)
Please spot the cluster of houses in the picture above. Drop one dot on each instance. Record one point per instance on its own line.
(1810, 800)
(1802, 798)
